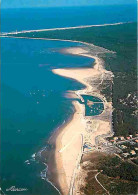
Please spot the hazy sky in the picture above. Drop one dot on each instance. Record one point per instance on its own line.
(58, 3)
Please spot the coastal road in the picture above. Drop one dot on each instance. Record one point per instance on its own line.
(71, 191)
(100, 183)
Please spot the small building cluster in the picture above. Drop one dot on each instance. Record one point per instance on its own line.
(128, 145)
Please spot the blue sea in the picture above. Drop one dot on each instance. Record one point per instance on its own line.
(33, 104)
(42, 18)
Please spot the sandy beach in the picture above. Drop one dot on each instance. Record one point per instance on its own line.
(68, 145)
(69, 142)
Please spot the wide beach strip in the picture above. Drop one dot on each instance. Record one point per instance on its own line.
(69, 143)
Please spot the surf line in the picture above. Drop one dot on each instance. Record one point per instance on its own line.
(50, 181)
(64, 28)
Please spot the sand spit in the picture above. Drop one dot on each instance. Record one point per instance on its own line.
(64, 28)
(81, 129)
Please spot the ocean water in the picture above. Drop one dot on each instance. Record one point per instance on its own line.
(33, 104)
(41, 18)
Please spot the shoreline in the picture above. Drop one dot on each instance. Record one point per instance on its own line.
(68, 149)
(55, 140)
